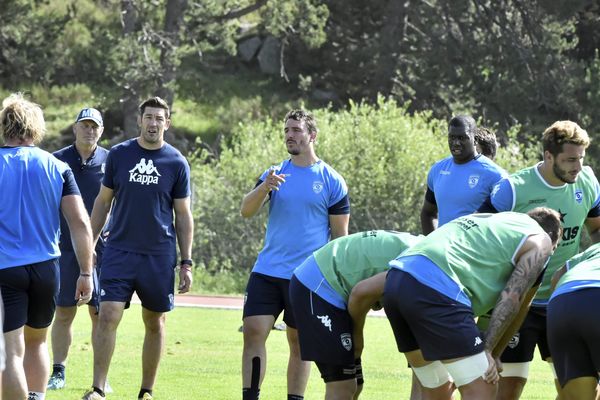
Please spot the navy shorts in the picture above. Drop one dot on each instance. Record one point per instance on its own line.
(29, 294)
(324, 330)
(531, 333)
(573, 332)
(267, 295)
(151, 276)
(69, 274)
(422, 318)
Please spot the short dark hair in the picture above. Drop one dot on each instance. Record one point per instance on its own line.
(562, 132)
(301, 115)
(155, 102)
(549, 220)
(463, 121)
(486, 139)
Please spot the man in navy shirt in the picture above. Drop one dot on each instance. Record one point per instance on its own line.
(148, 179)
(87, 161)
(308, 204)
(36, 187)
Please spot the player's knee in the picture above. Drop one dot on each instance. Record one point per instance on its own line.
(255, 333)
(432, 375)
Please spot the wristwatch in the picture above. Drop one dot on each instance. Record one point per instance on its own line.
(187, 262)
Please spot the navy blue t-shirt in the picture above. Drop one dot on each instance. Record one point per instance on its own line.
(88, 175)
(145, 183)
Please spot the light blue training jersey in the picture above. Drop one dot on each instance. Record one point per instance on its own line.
(460, 189)
(298, 216)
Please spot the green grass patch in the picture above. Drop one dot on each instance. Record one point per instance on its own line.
(203, 355)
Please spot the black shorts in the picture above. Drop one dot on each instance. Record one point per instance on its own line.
(573, 332)
(324, 330)
(29, 293)
(422, 318)
(69, 274)
(267, 295)
(521, 347)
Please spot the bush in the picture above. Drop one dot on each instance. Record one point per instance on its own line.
(383, 153)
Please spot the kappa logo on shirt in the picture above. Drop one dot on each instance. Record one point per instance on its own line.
(144, 172)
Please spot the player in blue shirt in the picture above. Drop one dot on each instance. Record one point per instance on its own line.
(87, 161)
(308, 204)
(458, 184)
(148, 179)
(36, 187)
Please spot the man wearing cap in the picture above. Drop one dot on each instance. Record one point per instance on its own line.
(86, 160)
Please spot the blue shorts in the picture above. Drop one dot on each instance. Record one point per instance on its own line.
(29, 294)
(531, 333)
(573, 332)
(324, 330)
(152, 277)
(69, 273)
(423, 318)
(267, 295)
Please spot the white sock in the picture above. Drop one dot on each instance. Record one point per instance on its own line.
(36, 396)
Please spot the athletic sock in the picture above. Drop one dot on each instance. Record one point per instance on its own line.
(99, 391)
(37, 395)
(250, 394)
(295, 397)
(56, 368)
(142, 391)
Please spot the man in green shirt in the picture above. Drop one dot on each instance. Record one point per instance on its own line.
(331, 293)
(434, 291)
(574, 325)
(562, 183)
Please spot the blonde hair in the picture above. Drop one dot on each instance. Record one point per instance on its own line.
(21, 119)
(562, 132)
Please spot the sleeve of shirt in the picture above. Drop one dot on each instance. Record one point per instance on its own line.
(502, 196)
(430, 196)
(595, 210)
(108, 171)
(69, 185)
(182, 187)
(337, 190)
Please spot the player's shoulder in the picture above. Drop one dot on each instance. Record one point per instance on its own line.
(444, 163)
(64, 152)
(490, 166)
(127, 145)
(329, 172)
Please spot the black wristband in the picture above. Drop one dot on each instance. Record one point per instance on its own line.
(187, 262)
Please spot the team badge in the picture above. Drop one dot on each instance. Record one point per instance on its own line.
(102, 167)
(578, 195)
(473, 180)
(514, 341)
(346, 339)
(317, 187)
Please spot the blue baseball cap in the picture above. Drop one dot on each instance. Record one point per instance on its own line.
(90, 114)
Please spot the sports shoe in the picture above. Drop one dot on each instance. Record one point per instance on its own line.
(56, 381)
(147, 396)
(91, 395)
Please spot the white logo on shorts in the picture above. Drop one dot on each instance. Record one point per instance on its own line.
(102, 292)
(317, 187)
(514, 341)
(478, 341)
(325, 321)
(346, 339)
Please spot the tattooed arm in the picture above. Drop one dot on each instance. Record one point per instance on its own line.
(514, 300)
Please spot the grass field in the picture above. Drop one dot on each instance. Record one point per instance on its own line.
(202, 361)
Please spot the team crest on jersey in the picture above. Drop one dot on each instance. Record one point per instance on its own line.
(514, 341)
(473, 180)
(144, 172)
(346, 339)
(317, 187)
(102, 167)
(578, 195)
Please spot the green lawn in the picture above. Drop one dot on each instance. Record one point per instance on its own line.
(202, 361)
